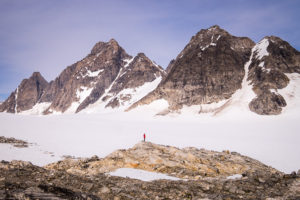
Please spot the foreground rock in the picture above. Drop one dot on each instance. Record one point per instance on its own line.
(22, 180)
(188, 163)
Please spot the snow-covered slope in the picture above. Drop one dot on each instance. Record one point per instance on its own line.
(272, 140)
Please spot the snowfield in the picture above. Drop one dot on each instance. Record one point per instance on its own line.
(274, 140)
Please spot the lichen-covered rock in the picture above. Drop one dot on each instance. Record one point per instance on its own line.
(188, 163)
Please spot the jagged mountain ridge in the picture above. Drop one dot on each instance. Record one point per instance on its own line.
(101, 76)
(216, 70)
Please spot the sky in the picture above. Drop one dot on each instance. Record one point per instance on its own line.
(48, 36)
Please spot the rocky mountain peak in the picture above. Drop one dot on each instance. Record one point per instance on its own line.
(26, 95)
(209, 69)
(137, 73)
(112, 41)
(36, 75)
(101, 46)
(272, 63)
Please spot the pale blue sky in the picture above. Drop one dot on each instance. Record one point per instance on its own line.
(47, 36)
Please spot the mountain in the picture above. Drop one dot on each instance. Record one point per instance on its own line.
(273, 62)
(216, 71)
(26, 95)
(108, 76)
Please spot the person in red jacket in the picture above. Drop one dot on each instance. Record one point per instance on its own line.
(144, 137)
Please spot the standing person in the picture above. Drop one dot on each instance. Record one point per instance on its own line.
(144, 137)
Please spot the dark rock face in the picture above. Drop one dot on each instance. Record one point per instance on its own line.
(272, 59)
(26, 95)
(212, 67)
(209, 69)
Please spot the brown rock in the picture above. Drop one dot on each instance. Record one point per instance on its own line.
(209, 69)
(26, 95)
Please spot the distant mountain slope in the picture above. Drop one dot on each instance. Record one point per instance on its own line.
(106, 74)
(26, 95)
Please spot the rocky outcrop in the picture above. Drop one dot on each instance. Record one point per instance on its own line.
(209, 69)
(71, 179)
(272, 59)
(27, 94)
(188, 163)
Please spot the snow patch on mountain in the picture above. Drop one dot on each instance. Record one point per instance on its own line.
(37, 109)
(134, 94)
(128, 61)
(82, 93)
(262, 65)
(93, 74)
(261, 48)
(291, 93)
(240, 99)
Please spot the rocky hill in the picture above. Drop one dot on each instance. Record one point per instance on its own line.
(206, 176)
